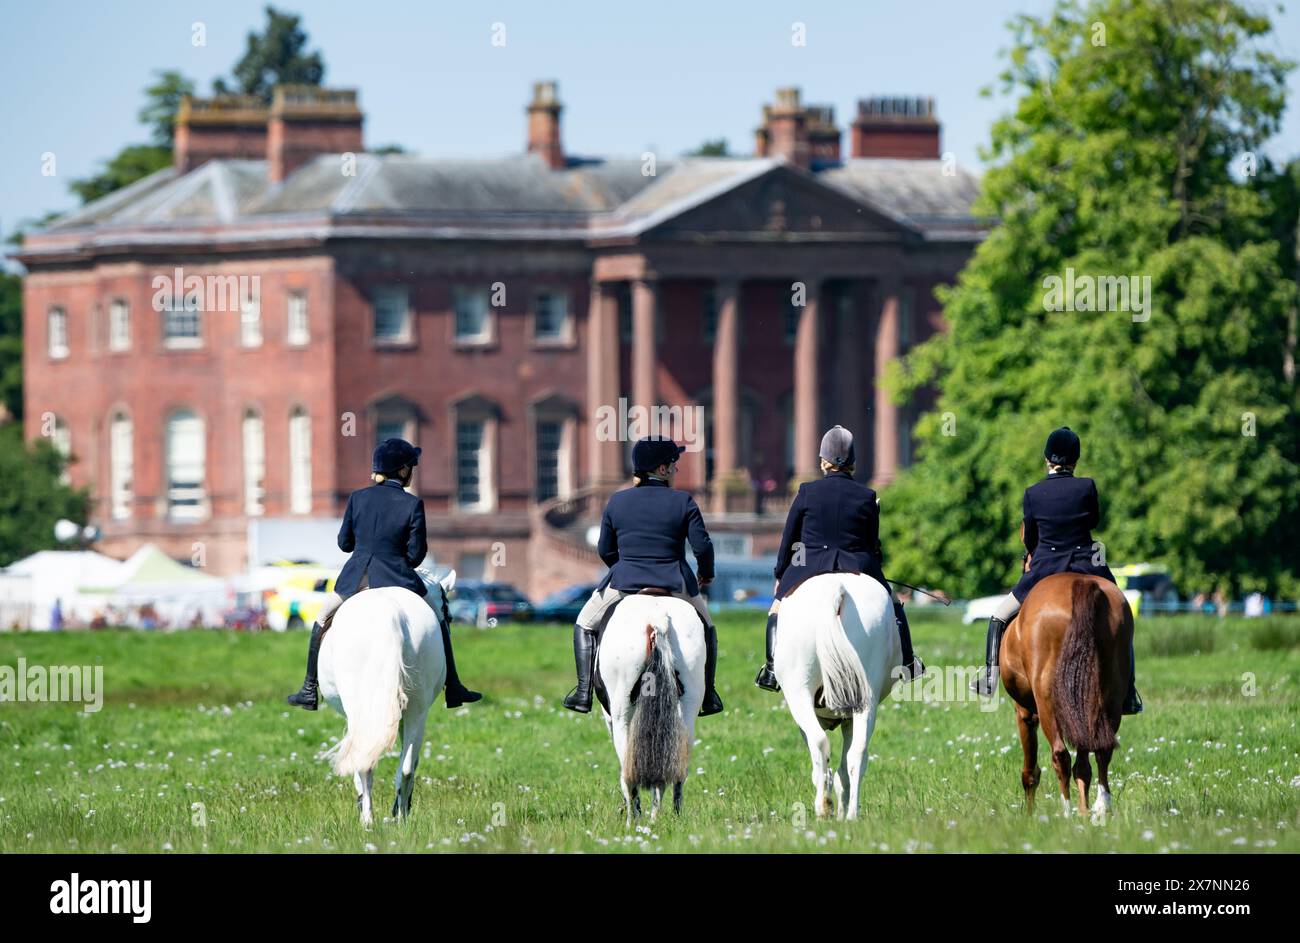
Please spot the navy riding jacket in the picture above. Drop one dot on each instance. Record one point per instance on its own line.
(837, 520)
(383, 529)
(1059, 513)
(643, 537)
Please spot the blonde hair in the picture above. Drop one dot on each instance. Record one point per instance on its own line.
(379, 477)
(828, 467)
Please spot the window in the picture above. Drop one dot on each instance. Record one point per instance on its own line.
(709, 315)
(181, 325)
(250, 321)
(121, 465)
(298, 334)
(186, 458)
(473, 323)
(119, 325)
(550, 435)
(392, 315)
(395, 418)
(61, 439)
(472, 566)
(254, 463)
(551, 316)
(58, 333)
(299, 462)
(469, 463)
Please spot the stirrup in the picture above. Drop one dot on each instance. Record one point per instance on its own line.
(907, 673)
(986, 682)
(574, 703)
(307, 698)
(766, 679)
(1133, 704)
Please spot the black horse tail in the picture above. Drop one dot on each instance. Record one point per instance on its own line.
(657, 748)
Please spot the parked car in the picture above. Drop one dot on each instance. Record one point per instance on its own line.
(1147, 586)
(563, 605)
(472, 601)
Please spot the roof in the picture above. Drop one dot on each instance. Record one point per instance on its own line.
(517, 197)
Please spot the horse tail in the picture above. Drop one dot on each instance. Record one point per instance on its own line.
(1076, 684)
(375, 713)
(657, 747)
(845, 689)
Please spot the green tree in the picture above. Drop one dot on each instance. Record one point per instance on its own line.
(11, 347)
(1122, 157)
(134, 162)
(162, 102)
(32, 498)
(276, 56)
(716, 148)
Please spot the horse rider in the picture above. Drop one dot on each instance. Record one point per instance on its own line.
(1059, 514)
(643, 537)
(836, 522)
(383, 529)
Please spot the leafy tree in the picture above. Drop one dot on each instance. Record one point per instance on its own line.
(132, 163)
(32, 498)
(274, 57)
(162, 102)
(11, 347)
(716, 148)
(1123, 156)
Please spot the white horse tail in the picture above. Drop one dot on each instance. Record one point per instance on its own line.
(374, 710)
(657, 746)
(845, 689)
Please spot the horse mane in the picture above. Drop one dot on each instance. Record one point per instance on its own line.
(1081, 714)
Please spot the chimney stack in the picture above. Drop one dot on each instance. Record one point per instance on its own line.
(896, 127)
(307, 121)
(823, 136)
(227, 126)
(802, 134)
(544, 125)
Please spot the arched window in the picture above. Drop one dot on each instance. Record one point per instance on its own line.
(397, 418)
(121, 464)
(554, 430)
(57, 333)
(254, 463)
(299, 461)
(475, 431)
(186, 466)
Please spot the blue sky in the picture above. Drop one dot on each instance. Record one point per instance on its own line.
(665, 76)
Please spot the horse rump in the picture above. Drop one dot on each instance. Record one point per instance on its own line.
(844, 682)
(657, 748)
(1081, 713)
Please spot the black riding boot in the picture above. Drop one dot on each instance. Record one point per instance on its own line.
(986, 683)
(712, 703)
(912, 667)
(1132, 703)
(584, 659)
(306, 698)
(766, 678)
(455, 693)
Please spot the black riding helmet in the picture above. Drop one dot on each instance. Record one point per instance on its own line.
(652, 451)
(393, 454)
(1062, 447)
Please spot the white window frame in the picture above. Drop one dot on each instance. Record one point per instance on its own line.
(119, 325)
(61, 439)
(178, 308)
(481, 413)
(121, 464)
(297, 326)
(56, 326)
(397, 412)
(300, 494)
(250, 321)
(393, 293)
(197, 493)
(252, 430)
(459, 295)
(565, 333)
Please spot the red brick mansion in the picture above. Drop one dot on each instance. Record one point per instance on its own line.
(223, 342)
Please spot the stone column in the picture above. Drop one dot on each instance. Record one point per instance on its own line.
(850, 353)
(726, 391)
(606, 459)
(806, 434)
(645, 295)
(886, 433)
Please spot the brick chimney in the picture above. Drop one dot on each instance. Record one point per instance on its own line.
(896, 127)
(823, 136)
(227, 126)
(307, 121)
(544, 124)
(787, 129)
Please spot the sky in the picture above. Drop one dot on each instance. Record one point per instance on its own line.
(633, 77)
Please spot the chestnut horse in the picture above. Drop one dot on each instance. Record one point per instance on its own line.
(1065, 663)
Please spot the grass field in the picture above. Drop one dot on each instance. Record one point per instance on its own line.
(198, 718)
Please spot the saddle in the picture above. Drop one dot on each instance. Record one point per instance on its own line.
(597, 684)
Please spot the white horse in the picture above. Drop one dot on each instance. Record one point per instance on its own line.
(381, 665)
(836, 646)
(650, 642)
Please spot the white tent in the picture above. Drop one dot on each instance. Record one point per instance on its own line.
(30, 587)
(177, 592)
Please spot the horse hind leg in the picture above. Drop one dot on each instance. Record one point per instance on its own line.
(408, 763)
(1102, 807)
(1060, 755)
(1082, 779)
(842, 774)
(863, 728)
(657, 794)
(819, 748)
(365, 784)
(678, 789)
(1027, 723)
